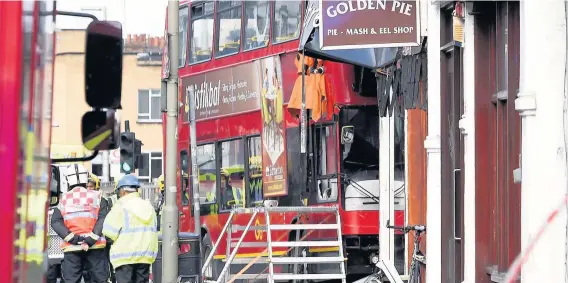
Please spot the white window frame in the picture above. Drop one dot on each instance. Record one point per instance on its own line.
(153, 93)
(147, 178)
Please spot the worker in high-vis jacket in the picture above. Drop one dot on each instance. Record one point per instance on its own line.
(95, 184)
(131, 227)
(161, 200)
(78, 220)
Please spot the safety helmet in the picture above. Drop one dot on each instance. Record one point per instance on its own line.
(129, 181)
(161, 182)
(224, 172)
(76, 175)
(95, 180)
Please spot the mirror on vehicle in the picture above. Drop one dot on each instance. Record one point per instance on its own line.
(54, 187)
(100, 130)
(347, 134)
(103, 64)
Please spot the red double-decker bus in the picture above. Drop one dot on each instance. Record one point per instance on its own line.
(240, 61)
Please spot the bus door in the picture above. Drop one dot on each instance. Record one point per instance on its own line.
(323, 173)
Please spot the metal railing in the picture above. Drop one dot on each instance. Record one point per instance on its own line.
(282, 241)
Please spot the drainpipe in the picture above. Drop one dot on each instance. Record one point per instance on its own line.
(432, 146)
(540, 104)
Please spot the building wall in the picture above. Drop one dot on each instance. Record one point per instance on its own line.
(433, 149)
(69, 102)
(467, 126)
(514, 58)
(542, 102)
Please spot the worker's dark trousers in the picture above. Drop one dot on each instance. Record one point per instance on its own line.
(54, 272)
(133, 273)
(93, 261)
(87, 277)
(112, 276)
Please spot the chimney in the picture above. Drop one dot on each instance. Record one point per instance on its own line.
(156, 42)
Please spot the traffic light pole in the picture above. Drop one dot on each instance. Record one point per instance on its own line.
(170, 224)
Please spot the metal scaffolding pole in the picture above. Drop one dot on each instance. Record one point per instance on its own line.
(170, 224)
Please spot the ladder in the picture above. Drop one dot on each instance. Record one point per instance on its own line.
(288, 258)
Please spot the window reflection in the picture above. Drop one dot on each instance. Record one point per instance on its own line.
(207, 173)
(184, 178)
(232, 174)
(229, 27)
(287, 18)
(201, 32)
(255, 171)
(256, 24)
(326, 165)
(183, 25)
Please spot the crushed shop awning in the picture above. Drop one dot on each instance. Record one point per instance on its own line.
(408, 80)
(371, 58)
(402, 69)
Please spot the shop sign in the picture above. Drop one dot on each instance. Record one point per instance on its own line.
(357, 24)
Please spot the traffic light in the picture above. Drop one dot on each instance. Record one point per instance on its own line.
(138, 160)
(127, 152)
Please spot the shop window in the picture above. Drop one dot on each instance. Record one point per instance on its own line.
(287, 19)
(254, 177)
(183, 25)
(207, 165)
(232, 174)
(257, 24)
(201, 32)
(184, 177)
(228, 26)
(326, 164)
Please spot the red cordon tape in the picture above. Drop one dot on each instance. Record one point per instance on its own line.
(515, 268)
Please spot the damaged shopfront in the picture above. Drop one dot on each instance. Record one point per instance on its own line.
(394, 71)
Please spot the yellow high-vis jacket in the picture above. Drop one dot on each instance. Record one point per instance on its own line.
(131, 225)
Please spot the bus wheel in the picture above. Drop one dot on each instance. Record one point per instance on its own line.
(211, 271)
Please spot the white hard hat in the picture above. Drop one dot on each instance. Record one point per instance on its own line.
(76, 174)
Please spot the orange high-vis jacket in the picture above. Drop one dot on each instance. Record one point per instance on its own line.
(319, 98)
(80, 209)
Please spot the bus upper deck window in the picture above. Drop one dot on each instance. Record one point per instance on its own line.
(287, 19)
(201, 32)
(183, 25)
(257, 24)
(228, 25)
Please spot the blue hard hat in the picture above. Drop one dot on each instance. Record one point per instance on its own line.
(128, 181)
